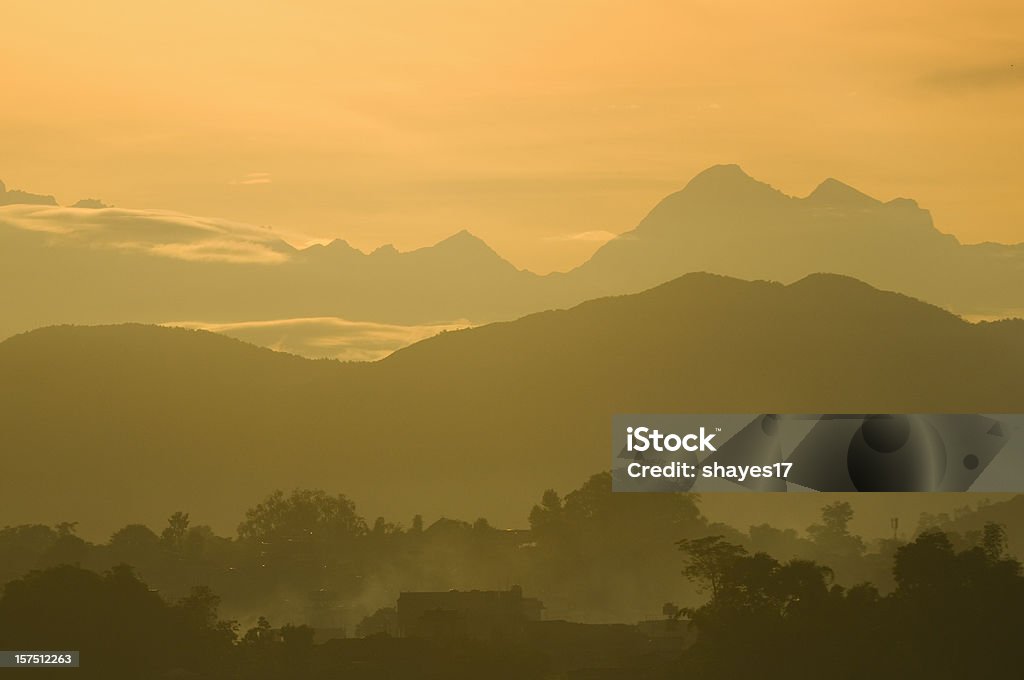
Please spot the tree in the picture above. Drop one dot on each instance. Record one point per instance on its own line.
(304, 515)
(136, 544)
(22, 548)
(833, 534)
(709, 560)
(208, 638)
(836, 517)
(134, 538)
(926, 565)
(200, 607)
(803, 582)
(173, 536)
(126, 629)
(260, 634)
(68, 548)
(546, 517)
(994, 541)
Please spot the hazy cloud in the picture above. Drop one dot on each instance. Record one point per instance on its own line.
(325, 337)
(157, 232)
(987, 76)
(253, 178)
(598, 236)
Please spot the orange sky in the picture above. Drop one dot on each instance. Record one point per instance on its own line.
(536, 125)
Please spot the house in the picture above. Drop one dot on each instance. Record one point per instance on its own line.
(478, 614)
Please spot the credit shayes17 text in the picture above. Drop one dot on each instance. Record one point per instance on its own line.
(717, 470)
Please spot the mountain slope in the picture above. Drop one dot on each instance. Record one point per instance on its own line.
(106, 425)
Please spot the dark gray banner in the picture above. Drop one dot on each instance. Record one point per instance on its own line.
(38, 659)
(818, 452)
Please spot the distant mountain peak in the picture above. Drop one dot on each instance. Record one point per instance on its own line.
(463, 241)
(338, 244)
(462, 236)
(727, 183)
(834, 192)
(725, 173)
(338, 247)
(386, 249)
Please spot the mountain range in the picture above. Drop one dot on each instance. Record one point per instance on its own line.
(110, 424)
(729, 223)
(110, 265)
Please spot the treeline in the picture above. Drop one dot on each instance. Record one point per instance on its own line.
(310, 557)
(952, 614)
(296, 555)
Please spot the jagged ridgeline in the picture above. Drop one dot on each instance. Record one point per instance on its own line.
(109, 424)
(102, 265)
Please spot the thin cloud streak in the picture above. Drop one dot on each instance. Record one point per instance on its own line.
(160, 233)
(326, 337)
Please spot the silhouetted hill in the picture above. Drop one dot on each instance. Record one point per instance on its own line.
(129, 423)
